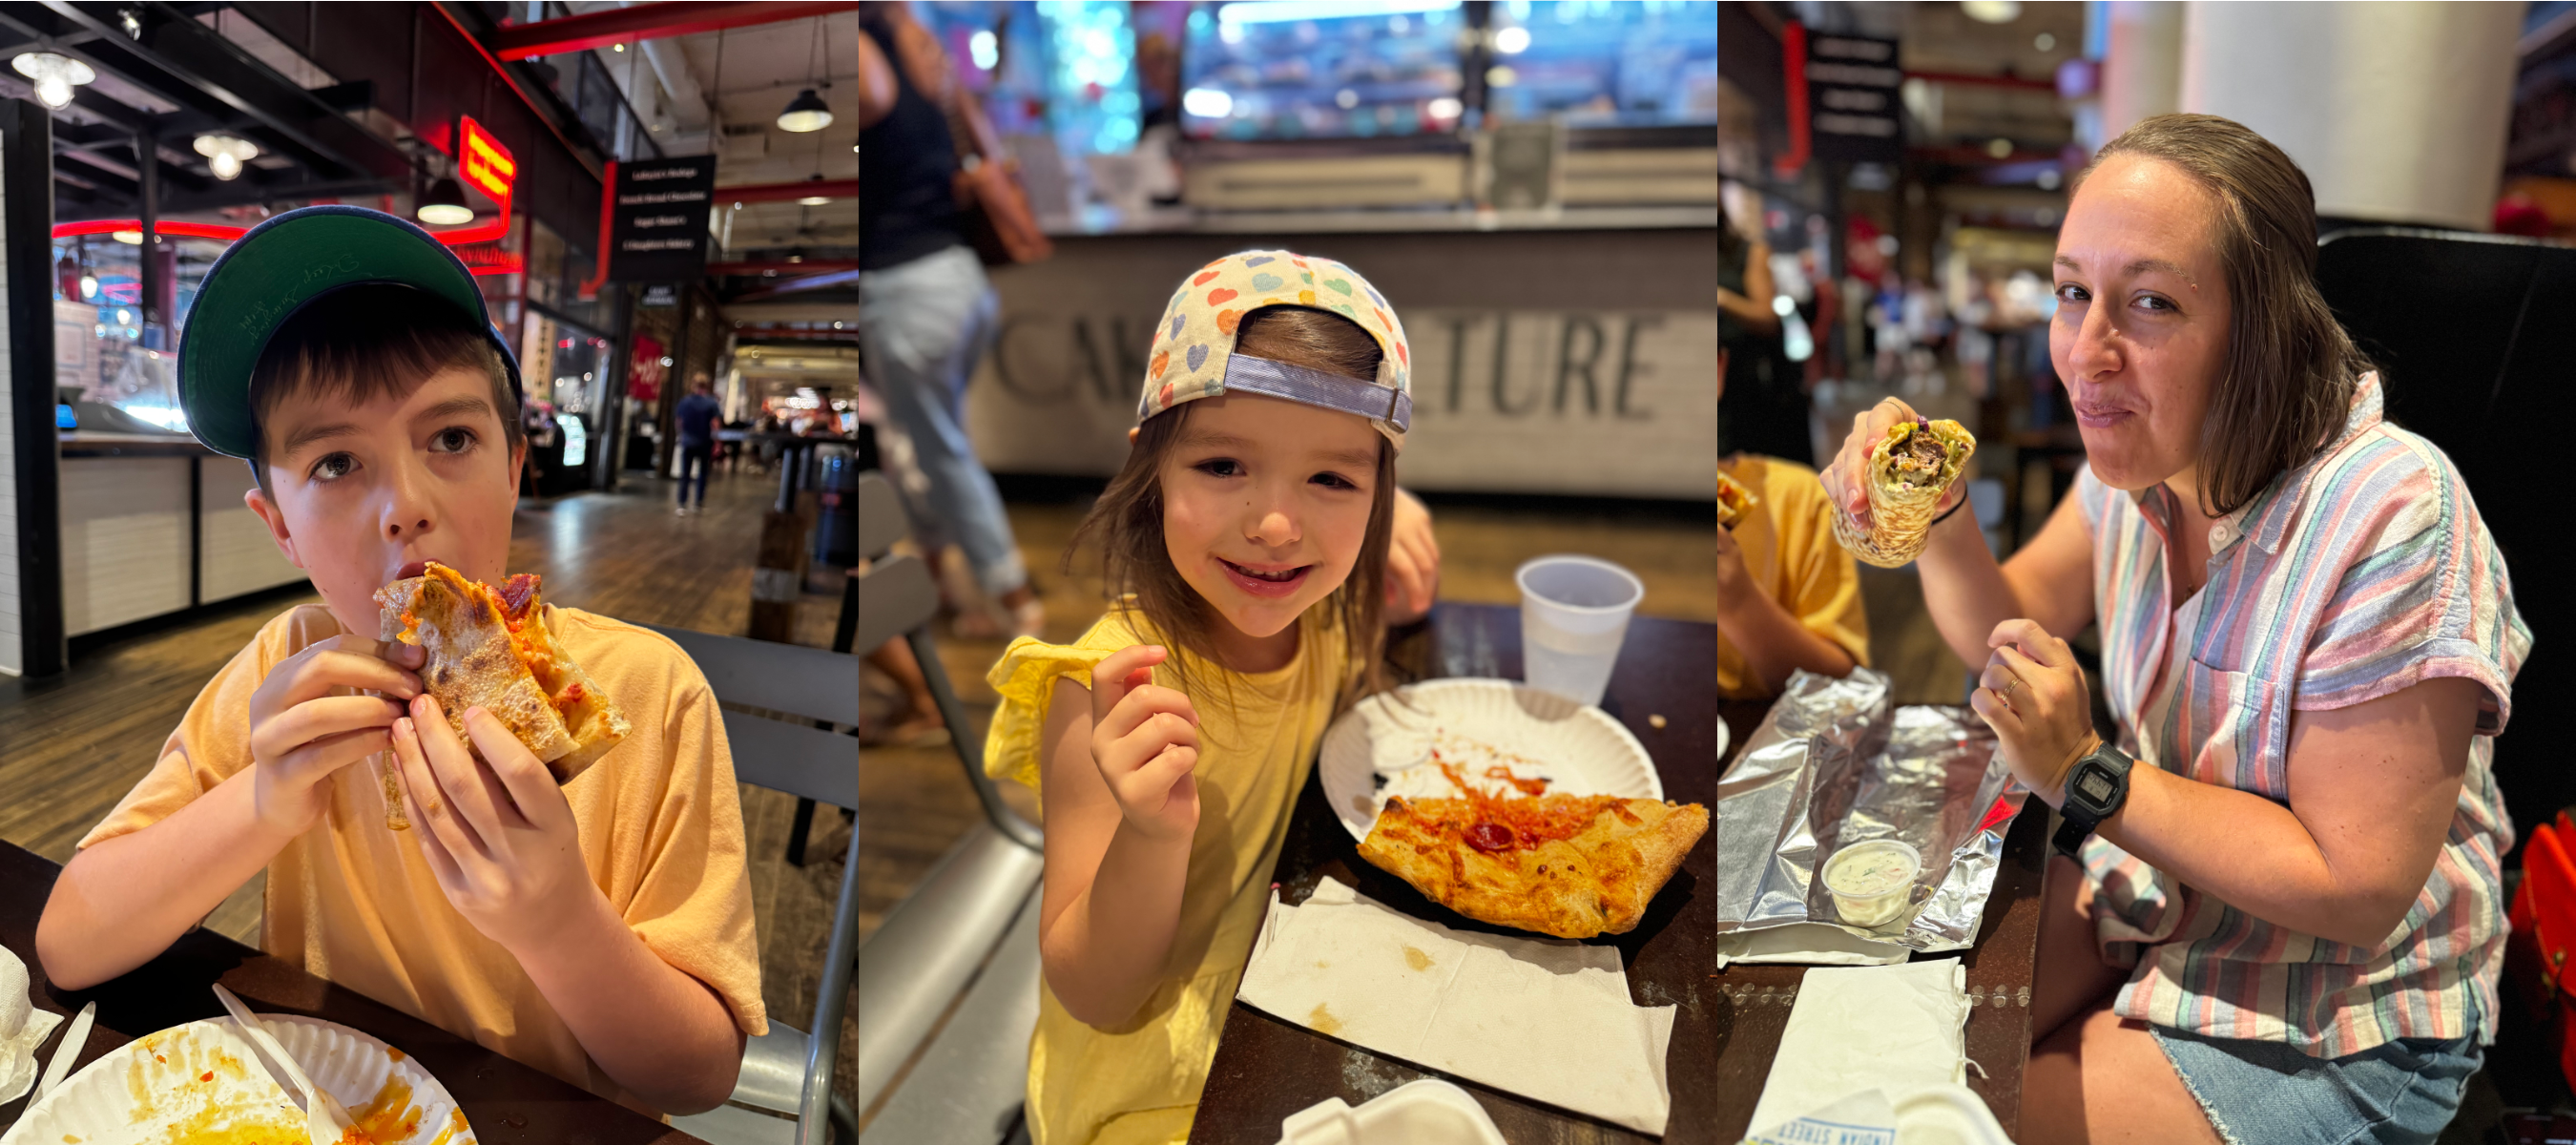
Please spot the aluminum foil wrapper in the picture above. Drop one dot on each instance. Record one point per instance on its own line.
(1834, 764)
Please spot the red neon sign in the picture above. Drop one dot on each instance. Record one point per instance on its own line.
(486, 166)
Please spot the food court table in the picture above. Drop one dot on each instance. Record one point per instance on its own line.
(1267, 1068)
(1752, 1002)
(505, 1101)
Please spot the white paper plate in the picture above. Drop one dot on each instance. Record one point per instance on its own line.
(1578, 748)
(201, 1081)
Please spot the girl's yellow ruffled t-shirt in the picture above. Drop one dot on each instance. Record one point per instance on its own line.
(1140, 1083)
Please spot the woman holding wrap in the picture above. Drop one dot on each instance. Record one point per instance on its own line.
(2282, 921)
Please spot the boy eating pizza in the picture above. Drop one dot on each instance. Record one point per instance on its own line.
(601, 930)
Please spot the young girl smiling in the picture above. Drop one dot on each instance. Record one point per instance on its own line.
(1247, 545)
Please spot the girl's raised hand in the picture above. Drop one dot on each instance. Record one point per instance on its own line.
(1145, 740)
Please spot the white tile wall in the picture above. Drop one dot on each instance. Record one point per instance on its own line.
(235, 553)
(125, 539)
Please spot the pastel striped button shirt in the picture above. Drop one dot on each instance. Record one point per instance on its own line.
(2359, 574)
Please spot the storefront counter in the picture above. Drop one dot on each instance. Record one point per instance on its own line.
(1567, 352)
(152, 525)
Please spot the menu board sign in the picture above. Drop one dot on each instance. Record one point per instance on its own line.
(658, 219)
(1852, 84)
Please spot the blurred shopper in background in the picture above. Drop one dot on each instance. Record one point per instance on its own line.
(698, 417)
(926, 311)
(1764, 409)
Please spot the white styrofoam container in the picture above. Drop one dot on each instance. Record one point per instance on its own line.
(1946, 1115)
(1424, 1112)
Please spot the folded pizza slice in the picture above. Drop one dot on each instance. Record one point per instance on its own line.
(1573, 866)
(1734, 501)
(491, 647)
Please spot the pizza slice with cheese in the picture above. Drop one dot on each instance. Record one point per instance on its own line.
(1573, 866)
(491, 647)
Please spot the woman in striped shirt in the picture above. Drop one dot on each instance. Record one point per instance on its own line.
(2290, 928)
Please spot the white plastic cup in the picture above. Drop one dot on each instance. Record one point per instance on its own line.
(1873, 883)
(1574, 615)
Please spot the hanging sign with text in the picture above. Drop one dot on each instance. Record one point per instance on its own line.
(1852, 98)
(658, 225)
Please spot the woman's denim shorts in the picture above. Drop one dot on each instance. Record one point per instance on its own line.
(2269, 1093)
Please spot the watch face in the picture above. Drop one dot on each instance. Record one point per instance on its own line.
(2094, 785)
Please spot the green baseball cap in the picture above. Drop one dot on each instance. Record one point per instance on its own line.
(278, 268)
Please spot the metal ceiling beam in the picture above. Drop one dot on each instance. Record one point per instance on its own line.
(649, 22)
(788, 192)
(188, 64)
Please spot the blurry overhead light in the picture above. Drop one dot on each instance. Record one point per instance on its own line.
(1207, 103)
(984, 49)
(1445, 107)
(444, 205)
(131, 21)
(2044, 41)
(129, 238)
(805, 113)
(225, 154)
(1991, 11)
(1511, 41)
(123, 316)
(617, 47)
(813, 200)
(1999, 147)
(1501, 75)
(55, 76)
(89, 286)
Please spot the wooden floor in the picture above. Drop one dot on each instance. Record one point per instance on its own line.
(72, 745)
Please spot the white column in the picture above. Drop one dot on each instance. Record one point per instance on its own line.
(2397, 111)
(2142, 72)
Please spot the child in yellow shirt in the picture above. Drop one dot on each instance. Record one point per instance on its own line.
(600, 931)
(1788, 597)
(1250, 539)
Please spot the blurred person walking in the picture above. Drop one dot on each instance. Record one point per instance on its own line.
(1763, 407)
(926, 311)
(699, 415)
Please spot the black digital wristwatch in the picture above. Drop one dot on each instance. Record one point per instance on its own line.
(2095, 788)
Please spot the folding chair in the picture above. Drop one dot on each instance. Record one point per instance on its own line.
(948, 984)
(787, 1071)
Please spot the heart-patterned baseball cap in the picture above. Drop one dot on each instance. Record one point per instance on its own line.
(1193, 355)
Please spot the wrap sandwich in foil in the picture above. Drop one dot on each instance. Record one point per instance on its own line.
(1905, 477)
(1834, 764)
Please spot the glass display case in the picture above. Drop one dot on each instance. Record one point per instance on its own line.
(1646, 63)
(1321, 69)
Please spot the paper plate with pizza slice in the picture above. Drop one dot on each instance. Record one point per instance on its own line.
(1509, 805)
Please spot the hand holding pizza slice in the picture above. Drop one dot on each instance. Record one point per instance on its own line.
(490, 648)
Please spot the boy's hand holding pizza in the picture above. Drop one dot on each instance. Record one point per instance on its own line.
(496, 831)
(301, 732)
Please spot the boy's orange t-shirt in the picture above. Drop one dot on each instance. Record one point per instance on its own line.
(660, 826)
(1789, 550)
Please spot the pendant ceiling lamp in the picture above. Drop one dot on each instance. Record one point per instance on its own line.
(444, 205)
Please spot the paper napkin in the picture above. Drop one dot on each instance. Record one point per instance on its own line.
(23, 1027)
(1547, 1019)
(1892, 1028)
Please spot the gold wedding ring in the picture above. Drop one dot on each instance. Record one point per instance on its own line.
(2010, 682)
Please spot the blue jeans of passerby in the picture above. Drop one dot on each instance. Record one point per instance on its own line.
(922, 327)
(694, 456)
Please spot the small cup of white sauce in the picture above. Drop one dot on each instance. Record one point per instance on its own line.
(1873, 882)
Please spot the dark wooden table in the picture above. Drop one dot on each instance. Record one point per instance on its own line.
(506, 1101)
(1267, 1068)
(1752, 1002)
